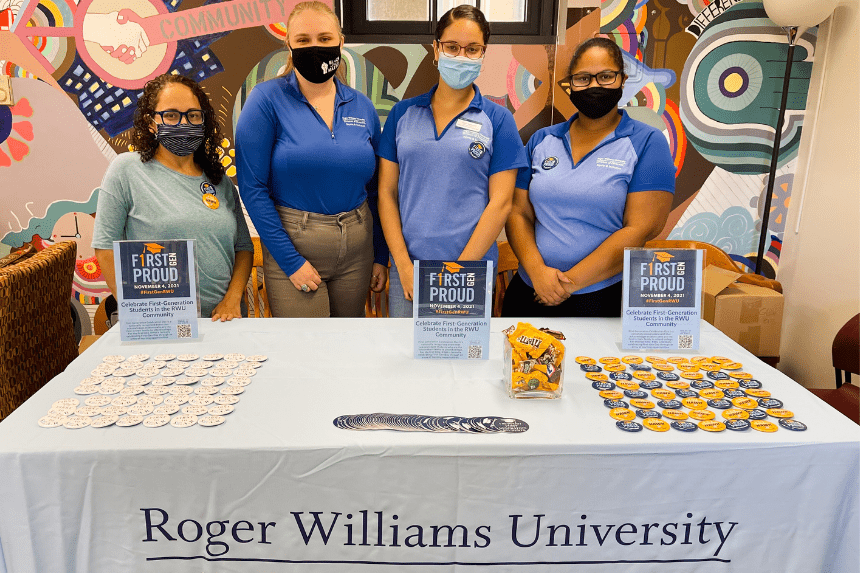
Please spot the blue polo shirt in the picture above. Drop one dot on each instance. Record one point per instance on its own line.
(286, 155)
(577, 207)
(444, 178)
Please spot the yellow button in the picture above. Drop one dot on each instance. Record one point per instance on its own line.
(615, 367)
(585, 360)
(702, 415)
(764, 426)
(627, 384)
(694, 403)
(656, 424)
(611, 395)
(712, 394)
(712, 426)
(663, 394)
(675, 414)
(622, 414)
(692, 375)
(745, 403)
(741, 375)
(726, 384)
(678, 384)
(644, 376)
(663, 367)
(779, 413)
(609, 360)
(735, 414)
(631, 359)
(643, 404)
(597, 376)
(758, 393)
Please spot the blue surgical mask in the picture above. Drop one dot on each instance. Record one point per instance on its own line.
(459, 72)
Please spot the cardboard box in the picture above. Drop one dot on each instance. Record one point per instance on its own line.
(748, 314)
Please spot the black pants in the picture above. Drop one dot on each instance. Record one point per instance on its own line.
(520, 301)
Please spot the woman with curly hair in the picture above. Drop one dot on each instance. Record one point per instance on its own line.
(173, 187)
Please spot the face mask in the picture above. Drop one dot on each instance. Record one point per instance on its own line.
(459, 72)
(597, 101)
(182, 139)
(316, 63)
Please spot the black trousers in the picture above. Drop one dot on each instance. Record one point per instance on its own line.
(520, 301)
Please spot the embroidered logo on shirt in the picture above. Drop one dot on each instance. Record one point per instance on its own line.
(477, 149)
(549, 163)
(611, 163)
(354, 121)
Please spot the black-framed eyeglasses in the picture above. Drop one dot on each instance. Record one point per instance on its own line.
(472, 51)
(174, 117)
(604, 78)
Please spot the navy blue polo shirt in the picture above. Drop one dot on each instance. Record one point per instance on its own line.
(286, 155)
(444, 178)
(577, 207)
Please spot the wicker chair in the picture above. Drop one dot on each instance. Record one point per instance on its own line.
(37, 337)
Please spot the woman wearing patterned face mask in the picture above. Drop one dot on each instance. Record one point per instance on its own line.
(596, 184)
(173, 187)
(448, 164)
(305, 154)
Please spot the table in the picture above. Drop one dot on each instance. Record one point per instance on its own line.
(279, 488)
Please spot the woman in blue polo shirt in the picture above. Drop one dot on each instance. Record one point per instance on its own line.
(595, 185)
(305, 155)
(449, 161)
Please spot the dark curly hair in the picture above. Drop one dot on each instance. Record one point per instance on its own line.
(206, 156)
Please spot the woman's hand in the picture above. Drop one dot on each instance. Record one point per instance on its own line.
(378, 277)
(406, 278)
(306, 276)
(227, 309)
(549, 285)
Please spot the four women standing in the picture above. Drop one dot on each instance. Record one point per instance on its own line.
(449, 161)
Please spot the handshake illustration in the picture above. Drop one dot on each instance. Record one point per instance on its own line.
(120, 34)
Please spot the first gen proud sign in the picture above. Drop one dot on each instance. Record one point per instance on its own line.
(157, 287)
(662, 306)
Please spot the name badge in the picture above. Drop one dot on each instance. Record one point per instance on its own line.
(470, 125)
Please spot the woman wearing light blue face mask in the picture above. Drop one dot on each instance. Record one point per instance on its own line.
(448, 162)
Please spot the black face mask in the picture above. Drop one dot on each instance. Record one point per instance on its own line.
(597, 101)
(316, 63)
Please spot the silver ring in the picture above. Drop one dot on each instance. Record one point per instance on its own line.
(305, 288)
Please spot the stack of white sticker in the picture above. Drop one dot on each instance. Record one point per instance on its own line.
(182, 391)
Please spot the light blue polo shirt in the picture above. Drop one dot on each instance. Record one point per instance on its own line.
(444, 178)
(578, 206)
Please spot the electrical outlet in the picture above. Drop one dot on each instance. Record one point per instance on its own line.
(6, 91)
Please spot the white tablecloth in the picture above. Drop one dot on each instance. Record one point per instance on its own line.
(571, 493)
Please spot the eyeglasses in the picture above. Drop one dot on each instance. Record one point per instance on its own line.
(174, 117)
(604, 78)
(472, 51)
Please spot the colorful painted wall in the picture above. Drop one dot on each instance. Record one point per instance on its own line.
(708, 73)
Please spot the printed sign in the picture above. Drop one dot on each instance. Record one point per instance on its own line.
(157, 287)
(451, 305)
(662, 299)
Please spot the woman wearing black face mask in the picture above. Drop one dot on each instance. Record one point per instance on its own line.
(305, 157)
(173, 187)
(596, 184)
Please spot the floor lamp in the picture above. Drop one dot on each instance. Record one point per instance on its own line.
(795, 17)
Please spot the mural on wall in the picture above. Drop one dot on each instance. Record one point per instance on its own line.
(706, 73)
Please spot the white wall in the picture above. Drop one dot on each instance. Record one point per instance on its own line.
(820, 261)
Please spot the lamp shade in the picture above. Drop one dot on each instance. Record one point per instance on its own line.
(802, 13)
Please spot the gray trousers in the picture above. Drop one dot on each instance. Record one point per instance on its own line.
(340, 247)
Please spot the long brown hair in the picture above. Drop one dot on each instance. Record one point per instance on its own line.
(206, 156)
(324, 9)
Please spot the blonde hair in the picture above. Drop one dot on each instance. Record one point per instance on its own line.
(324, 9)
